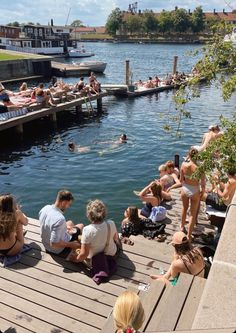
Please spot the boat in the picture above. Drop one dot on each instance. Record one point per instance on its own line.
(80, 53)
(92, 65)
(231, 38)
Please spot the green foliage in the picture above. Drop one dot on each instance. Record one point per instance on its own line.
(114, 21)
(77, 23)
(165, 22)
(14, 24)
(150, 22)
(198, 20)
(181, 20)
(134, 24)
(220, 155)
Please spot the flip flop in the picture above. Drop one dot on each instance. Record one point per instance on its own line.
(161, 238)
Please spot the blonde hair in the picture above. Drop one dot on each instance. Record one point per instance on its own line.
(162, 167)
(96, 211)
(128, 311)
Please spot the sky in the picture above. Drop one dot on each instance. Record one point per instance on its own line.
(92, 12)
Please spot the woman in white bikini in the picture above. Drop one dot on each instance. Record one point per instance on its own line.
(190, 193)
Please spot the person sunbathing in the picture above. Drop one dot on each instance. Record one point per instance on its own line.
(187, 259)
(12, 221)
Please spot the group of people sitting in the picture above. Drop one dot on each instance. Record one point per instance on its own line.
(46, 96)
(170, 79)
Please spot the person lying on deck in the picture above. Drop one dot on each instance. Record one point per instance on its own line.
(187, 259)
(213, 133)
(12, 221)
(43, 96)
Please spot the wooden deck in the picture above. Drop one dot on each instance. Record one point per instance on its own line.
(37, 112)
(44, 293)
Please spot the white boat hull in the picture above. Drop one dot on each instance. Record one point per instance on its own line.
(80, 54)
(94, 66)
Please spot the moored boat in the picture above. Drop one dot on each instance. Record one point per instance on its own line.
(80, 53)
(93, 65)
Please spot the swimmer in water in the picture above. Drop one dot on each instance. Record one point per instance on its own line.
(74, 148)
(123, 138)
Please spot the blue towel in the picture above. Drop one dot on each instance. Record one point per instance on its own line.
(10, 260)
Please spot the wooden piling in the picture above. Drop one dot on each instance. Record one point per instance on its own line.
(175, 64)
(54, 117)
(78, 108)
(127, 72)
(19, 129)
(99, 104)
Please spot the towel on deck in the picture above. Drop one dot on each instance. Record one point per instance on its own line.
(103, 267)
(10, 260)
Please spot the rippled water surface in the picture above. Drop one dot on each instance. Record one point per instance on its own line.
(37, 167)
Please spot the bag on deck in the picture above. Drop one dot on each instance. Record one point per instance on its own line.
(158, 214)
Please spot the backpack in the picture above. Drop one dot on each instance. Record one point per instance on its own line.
(158, 214)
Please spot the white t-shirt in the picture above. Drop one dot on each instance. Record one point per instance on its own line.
(53, 227)
(96, 236)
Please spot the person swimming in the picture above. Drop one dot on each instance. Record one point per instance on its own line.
(123, 138)
(74, 148)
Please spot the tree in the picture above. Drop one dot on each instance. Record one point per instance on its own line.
(150, 22)
(14, 24)
(114, 21)
(77, 23)
(181, 20)
(134, 23)
(218, 63)
(197, 20)
(165, 23)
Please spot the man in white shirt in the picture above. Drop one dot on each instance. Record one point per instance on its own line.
(56, 232)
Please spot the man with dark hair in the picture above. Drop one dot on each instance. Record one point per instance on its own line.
(56, 232)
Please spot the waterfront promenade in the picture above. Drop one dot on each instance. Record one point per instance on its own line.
(44, 293)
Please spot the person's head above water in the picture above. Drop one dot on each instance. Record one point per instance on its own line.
(123, 138)
(71, 146)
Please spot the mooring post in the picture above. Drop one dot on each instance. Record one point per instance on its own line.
(127, 72)
(175, 64)
(54, 117)
(19, 129)
(99, 104)
(78, 108)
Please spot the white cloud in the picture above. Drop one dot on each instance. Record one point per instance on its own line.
(91, 12)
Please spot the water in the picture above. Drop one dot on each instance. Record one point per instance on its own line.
(36, 168)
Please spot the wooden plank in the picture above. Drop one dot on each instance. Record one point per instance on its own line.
(57, 290)
(150, 299)
(9, 327)
(191, 304)
(214, 330)
(47, 297)
(43, 314)
(166, 314)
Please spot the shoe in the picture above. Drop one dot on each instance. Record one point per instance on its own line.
(161, 238)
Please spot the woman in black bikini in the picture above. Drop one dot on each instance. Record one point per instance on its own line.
(187, 259)
(11, 226)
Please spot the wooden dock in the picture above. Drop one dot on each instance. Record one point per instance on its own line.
(43, 293)
(36, 112)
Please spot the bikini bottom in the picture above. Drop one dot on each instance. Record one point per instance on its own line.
(4, 252)
(190, 190)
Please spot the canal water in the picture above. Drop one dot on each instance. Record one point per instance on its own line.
(35, 168)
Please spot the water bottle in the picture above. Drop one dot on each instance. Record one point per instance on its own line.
(161, 271)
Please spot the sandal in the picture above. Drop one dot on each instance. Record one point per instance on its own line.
(161, 238)
(127, 241)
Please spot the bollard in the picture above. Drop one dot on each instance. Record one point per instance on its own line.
(175, 64)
